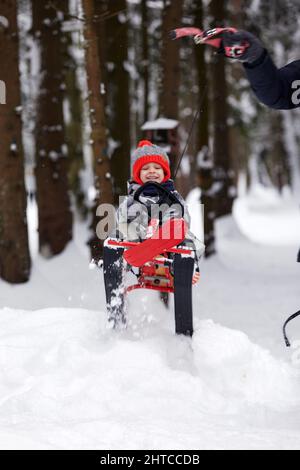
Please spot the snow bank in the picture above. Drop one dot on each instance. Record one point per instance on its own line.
(69, 382)
(266, 217)
(243, 370)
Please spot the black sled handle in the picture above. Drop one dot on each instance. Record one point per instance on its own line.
(165, 196)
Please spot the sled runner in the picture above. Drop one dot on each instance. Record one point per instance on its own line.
(170, 272)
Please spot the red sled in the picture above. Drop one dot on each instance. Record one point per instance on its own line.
(172, 271)
(170, 234)
(154, 256)
(161, 262)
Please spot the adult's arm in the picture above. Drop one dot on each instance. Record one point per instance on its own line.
(276, 88)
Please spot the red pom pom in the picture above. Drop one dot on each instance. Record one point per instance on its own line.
(144, 142)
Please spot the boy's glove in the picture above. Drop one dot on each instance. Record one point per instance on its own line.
(251, 53)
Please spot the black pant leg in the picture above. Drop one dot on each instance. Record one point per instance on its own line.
(113, 270)
(183, 275)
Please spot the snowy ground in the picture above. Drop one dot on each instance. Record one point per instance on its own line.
(68, 382)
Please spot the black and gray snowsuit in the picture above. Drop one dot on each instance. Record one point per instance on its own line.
(133, 217)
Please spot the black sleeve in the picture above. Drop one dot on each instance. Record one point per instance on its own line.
(276, 88)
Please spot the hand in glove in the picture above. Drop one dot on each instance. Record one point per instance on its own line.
(232, 41)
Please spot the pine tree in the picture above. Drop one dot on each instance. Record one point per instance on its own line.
(74, 123)
(223, 173)
(203, 154)
(172, 14)
(54, 213)
(14, 249)
(145, 58)
(102, 169)
(118, 116)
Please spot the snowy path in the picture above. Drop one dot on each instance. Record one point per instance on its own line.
(67, 382)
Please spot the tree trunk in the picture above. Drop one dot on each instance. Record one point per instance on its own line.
(102, 171)
(14, 250)
(172, 15)
(118, 95)
(73, 128)
(278, 161)
(238, 130)
(223, 174)
(203, 156)
(169, 92)
(55, 217)
(145, 58)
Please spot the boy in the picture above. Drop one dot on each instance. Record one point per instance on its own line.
(150, 164)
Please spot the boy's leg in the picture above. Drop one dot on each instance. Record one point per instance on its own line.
(113, 270)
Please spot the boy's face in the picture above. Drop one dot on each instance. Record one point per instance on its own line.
(152, 172)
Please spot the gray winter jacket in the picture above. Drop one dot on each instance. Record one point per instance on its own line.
(133, 217)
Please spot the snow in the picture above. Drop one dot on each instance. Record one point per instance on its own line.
(70, 382)
(4, 23)
(13, 147)
(160, 123)
(283, 230)
(102, 88)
